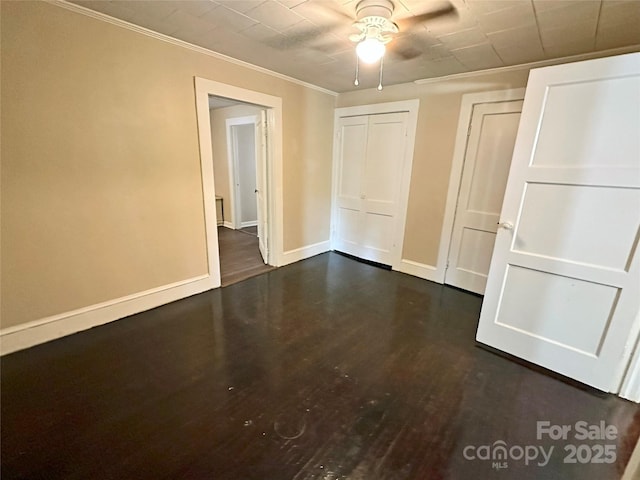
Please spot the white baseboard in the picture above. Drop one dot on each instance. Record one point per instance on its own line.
(422, 270)
(297, 254)
(33, 333)
(249, 224)
(227, 224)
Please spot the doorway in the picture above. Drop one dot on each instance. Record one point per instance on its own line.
(487, 128)
(491, 138)
(239, 159)
(219, 206)
(243, 158)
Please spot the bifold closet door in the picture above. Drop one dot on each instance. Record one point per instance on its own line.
(370, 164)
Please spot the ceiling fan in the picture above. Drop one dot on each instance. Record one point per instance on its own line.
(373, 19)
(377, 29)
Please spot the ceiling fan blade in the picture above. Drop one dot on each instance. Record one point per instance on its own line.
(298, 39)
(403, 49)
(408, 23)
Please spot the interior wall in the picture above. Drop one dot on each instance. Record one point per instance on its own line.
(218, 118)
(101, 186)
(435, 139)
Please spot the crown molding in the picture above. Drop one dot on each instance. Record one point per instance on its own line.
(528, 66)
(181, 43)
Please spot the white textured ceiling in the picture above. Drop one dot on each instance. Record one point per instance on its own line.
(307, 39)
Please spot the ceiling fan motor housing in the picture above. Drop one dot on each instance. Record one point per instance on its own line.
(374, 8)
(374, 20)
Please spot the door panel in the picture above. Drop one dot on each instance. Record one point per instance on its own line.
(569, 121)
(354, 135)
(484, 177)
(563, 285)
(603, 216)
(573, 315)
(384, 150)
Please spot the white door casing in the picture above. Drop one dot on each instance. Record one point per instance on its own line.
(261, 183)
(204, 88)
(491, 138)
(563, 285)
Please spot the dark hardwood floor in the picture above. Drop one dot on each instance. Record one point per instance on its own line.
(324, 369)
(239, 255)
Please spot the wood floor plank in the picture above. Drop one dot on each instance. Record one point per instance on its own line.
(239, 255)
(324, 369)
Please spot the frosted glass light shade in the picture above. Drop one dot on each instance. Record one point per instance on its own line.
(370, 50)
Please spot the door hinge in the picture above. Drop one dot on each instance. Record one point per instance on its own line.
(469, 129)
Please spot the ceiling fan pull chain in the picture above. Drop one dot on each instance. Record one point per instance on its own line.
(381, 65)
(356, 82)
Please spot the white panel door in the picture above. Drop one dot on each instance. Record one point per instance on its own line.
(371, 160)
(261, 183)
(381, 185)
(351, 162)
(492, 136)
(563, 285)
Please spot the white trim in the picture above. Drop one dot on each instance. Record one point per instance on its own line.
(181, 43)
(228, 225)
(529, 66)
(457, 164)
(204, 88)
(33, 333)
(421, 270)
(377, 108)
(297, 254)
(232, 166)
(411, 107)
(253, 223)
(630, 388)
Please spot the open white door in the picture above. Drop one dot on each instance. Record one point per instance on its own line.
(491, 138)
(261, 183)
(563, 285)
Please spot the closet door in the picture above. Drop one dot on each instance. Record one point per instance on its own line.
(492, 136)
(370, 159)
(381, 186)
(352, 132)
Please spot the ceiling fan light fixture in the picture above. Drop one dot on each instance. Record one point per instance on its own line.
(370, 50)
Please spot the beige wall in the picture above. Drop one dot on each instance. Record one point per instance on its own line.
(435, 138)
(101, 187)
(219, 117)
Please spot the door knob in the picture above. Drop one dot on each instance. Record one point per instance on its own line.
(505, 225)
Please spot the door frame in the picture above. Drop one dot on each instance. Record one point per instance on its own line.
(232, 158)
(273, 105)
(469, 100)
(409, 106)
